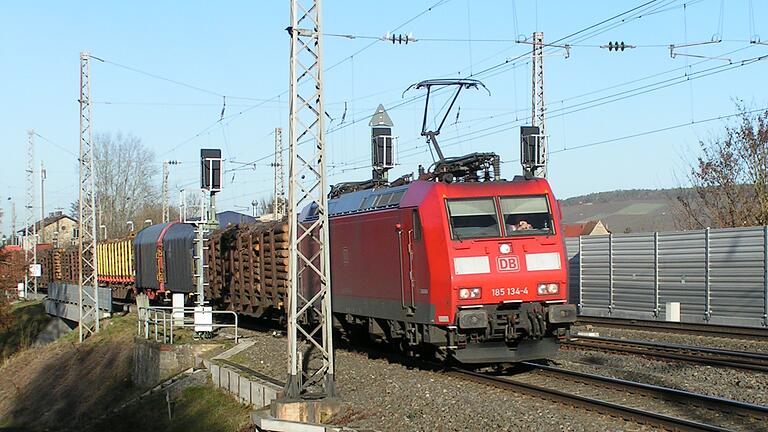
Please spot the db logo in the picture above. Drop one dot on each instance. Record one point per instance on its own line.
(508, 263)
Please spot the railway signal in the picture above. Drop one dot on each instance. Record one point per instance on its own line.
(382, 144)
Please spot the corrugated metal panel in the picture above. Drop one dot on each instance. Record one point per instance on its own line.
(595, 265)
(736, 260)
(572, 248)
(633, 273)
(682, 273)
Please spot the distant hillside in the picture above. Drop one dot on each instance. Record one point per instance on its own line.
(639, 210)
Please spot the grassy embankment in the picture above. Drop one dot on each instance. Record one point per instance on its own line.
(68, 385)
(28, 319)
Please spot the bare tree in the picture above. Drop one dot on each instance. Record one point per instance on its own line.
(730, 179)
(125, 183)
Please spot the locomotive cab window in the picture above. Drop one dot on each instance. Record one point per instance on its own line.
(526, 215)
(473, 218)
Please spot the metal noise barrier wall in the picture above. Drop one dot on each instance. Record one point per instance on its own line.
(719, 276)
(63, 300)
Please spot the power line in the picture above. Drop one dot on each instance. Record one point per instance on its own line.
(503, 127)
(654, 131)
(408, 21)
(183, 104)
(586, 33)
(173, 81)
(435, 5)
(514, 61)
(60, 147)
(207, 128)
(645, 9)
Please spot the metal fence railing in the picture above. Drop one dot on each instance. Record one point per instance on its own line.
(161, 320)
(719, 276)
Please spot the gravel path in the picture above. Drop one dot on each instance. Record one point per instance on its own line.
(387, 396)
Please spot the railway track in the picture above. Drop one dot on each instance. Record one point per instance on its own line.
(679, 327)
(707, 356)
(655, 406)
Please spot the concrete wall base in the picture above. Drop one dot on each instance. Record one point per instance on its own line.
(248, 386)
(154, 362)
(265, 422)
(311, 411)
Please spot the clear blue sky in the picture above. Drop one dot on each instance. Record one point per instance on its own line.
(240, 49)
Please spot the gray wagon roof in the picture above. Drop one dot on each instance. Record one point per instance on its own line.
(359, 201)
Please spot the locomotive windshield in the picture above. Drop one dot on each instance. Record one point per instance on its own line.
(526, 215)
(473, 218)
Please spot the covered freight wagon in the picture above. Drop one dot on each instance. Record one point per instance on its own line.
(164, 256)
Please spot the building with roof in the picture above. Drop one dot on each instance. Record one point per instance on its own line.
(594, 227)
(58, 229)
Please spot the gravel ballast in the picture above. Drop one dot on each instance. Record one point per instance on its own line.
(734, 344)
(730, 383)
(388, 396)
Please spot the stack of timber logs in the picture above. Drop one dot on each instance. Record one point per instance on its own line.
(70, 265)
(58, 264)
(248, 268)
(45, 259)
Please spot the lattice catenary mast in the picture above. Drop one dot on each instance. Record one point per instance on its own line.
(537, 102)
(30, 229)
(279, 164)
(88, 297)
(42, 202)
(309, 281)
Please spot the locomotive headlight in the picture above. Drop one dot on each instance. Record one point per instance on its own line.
(505, 248)
(469, 293)
(548, 288)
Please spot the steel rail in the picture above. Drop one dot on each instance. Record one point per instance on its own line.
(759, 412)
(621, 411)
(708, 356)
(710, 330)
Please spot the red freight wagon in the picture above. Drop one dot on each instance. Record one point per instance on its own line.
(473, 270)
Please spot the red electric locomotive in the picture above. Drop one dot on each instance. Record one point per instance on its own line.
(477, 271)
(459, 261)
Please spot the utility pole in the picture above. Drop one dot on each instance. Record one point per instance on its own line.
(310, 337)
(166, 198)
(537, 102)
(42, 202)
(278, 206)
(14, 237)
(88, 297)
(30, 229)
